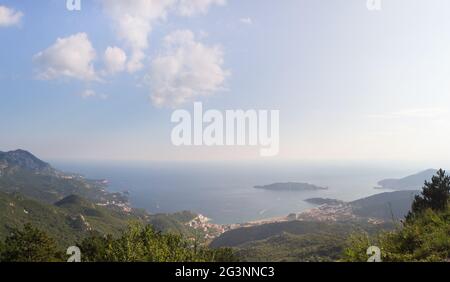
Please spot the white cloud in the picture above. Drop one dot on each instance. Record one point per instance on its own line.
(246, 20)
(114, 60)
(71, 57)
(134, 20)
(9, 17)
(186, 70)
(193, 7)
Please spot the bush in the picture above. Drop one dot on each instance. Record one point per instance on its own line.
(424, 236)
(29, 245)
(138, 243)
(143, 244)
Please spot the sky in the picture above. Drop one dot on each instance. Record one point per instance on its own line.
(102, 83)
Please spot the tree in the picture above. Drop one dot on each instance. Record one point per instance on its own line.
(2, 247)
(424, 234)
(95, 248)
(138, 243)
(435, 195)
(30, 245)
(357, 244)
(141, 243)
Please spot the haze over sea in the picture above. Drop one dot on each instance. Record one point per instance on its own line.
(223, 191)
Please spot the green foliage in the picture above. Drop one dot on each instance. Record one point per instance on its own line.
(175, 223)
(435, 195)
(69, 220)
(138, 243)
(358, 243)
(64, 205)
(424, 236)
(16, 211)
(2, 249)
(291, 248)
(96, 247)
(29, 245)
(143, 244)
(292, 241)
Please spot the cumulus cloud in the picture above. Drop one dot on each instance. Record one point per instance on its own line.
(134, 20)
(70, 57)
(114, 59)
(186, 69)
(9, 17)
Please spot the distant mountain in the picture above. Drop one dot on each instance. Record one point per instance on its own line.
(73, 218)
(22, 172)
(412, 182)
(69, 206)
(385, 205)
(291, 186)
(13, 161)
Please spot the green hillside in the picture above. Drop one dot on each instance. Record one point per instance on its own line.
(293, 240)
(17, 210)
(68, 206)
(386, 206)
(424, 234)
(69, 220)
(21, 172)
(174, 223)
(291, 248)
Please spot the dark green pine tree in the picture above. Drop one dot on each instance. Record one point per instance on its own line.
(29, 245)
(435, 195)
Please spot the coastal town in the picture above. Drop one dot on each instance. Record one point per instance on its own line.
(340, 211)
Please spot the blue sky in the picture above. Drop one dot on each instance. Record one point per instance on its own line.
(349, 83)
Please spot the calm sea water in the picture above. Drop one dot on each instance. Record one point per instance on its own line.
(224, 191)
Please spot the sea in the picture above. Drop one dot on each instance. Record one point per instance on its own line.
(224, 191)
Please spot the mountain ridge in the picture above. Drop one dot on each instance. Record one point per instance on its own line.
(410, 182)
(69, 205)
(21, 159)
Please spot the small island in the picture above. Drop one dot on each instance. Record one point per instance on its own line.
(291, 186)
